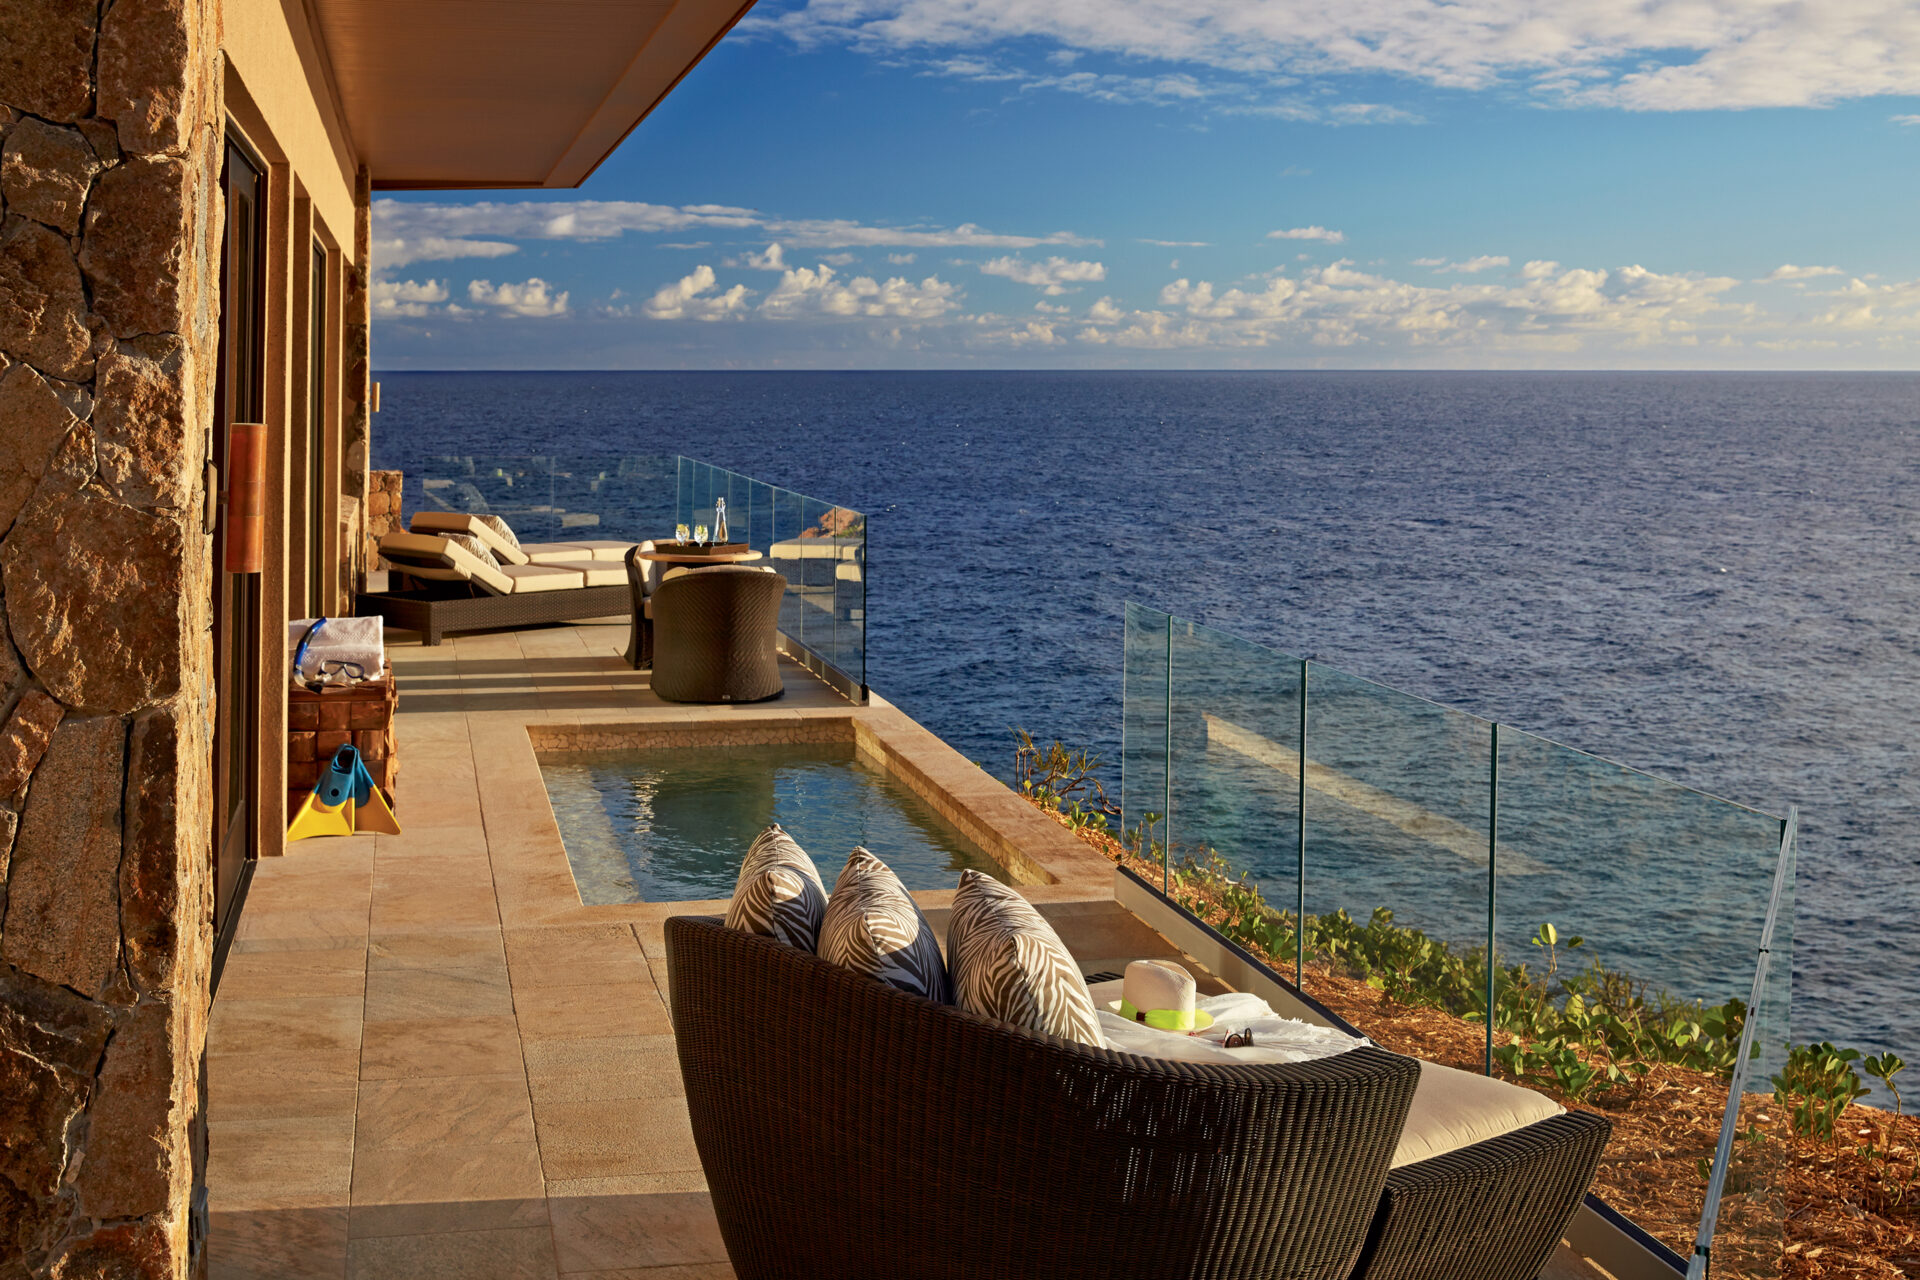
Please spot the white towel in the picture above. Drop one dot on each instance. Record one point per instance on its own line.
(1275, 1039)
(358, 640)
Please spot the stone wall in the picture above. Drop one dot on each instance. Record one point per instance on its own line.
(383, 512)
(109, 234)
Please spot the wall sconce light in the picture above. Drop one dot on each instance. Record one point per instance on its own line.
(246, 526)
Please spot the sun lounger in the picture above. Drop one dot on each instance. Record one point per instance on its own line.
(461, 591)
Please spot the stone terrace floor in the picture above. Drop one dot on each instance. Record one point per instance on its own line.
(427, 1059)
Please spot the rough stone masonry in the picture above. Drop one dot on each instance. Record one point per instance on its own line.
(110, 222)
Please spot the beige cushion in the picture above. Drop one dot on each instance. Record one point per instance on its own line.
(506, 549)
(1454, 1109)
(615, 551)
(527, 578)
(595, 573)
(548, 552)
(442, 559)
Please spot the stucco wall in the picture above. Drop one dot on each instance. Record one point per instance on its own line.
(108, 243)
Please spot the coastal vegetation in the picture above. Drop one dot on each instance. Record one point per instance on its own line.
(1839, 1179)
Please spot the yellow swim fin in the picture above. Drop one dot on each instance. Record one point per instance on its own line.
(316, 818)
(372, 813)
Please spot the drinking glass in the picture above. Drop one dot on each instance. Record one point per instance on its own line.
(700, 534)
(680, 534)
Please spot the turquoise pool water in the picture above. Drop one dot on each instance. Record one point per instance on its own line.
(670, 825)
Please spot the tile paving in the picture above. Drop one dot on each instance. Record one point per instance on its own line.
(428, 1059)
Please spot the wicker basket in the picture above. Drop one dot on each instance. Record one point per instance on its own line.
(318, 724)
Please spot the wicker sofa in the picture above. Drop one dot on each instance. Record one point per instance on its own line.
(850, 1130)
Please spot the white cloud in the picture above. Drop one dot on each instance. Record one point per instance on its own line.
(1907, 121)
(820, 291)
(1308, 233)
(774, 259)
(1787, 271)
(1473, 266)
(1051, 277)
(1430, 262)
(533, 298)
(1886, 308)
(692, 298)
(1178, 244)
(395, 252)
(901, 259)
(1631, 54)
(406, 297)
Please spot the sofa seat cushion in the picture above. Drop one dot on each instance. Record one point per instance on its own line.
(492, 532)
(1006, 962)
(779, 894)
(612, 551)
(440, 558)
(595, 573)
(528, 578)
(1454, 1109)
(873, 926)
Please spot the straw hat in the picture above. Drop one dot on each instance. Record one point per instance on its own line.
(1160, 994)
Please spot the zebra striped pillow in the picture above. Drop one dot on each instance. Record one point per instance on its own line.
(779, 893)
(873, 926)
(1008, 963)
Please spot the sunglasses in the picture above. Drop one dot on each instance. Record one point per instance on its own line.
(1238, 1039)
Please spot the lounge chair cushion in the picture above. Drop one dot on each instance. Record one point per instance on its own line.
(595, 573)
(550, 552)
(1007, 963)
(779, 894)
(441, 559)
(613, 551)
(873, 926)
(1454, 1109)
(491, 530)
(542, 577)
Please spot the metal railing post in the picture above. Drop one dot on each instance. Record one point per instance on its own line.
(1493, 871)
(1166, 840)
(1300, 850)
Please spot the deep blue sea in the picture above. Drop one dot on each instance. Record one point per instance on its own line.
(1710, 577)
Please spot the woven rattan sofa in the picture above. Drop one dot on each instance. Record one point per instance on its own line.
(850, 1130)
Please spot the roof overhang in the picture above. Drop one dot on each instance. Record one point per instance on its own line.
(442, 94)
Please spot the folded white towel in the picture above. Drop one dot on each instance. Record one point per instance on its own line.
(1275, 1039)
(358, 640)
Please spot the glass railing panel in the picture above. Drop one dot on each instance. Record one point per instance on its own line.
(1743, 1226)
(1144, 697)
(1235, 764)
(815, 587)
(1397, 806)
(850, 592)
(785, 553)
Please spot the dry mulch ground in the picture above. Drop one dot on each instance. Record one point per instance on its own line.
(1847, 1212)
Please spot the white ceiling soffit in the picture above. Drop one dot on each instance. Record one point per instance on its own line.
(506, 93)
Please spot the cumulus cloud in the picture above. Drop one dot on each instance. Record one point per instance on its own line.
(1908, 121)
(406, 297)
(532, 298)
(692, 298)
(1787, 271)
(1308, 233)
(901, 259)
(1051, 277)
(774, 259)
(1864, 306)
(820, 291)
(1712, 54)
(1472, 266)
(395, 252)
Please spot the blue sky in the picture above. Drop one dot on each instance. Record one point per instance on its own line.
(1216, 184)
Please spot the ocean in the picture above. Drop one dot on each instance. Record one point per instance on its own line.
(1711, 577)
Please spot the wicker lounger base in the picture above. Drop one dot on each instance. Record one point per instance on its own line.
(1491, 1211)
(433, 617)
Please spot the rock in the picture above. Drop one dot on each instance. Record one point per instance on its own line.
(43, 309)
(145, 65)
(11, 672)
(99, 597)
(50, 1046)
(63, 892)
(150, 454)
(35, 422)
(9, 825)
(130, 1251)
(46, 56)
(139, 243)
(45, 172)
(24, 740)
(167, 813)
(129, 1126)
(103, 138)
